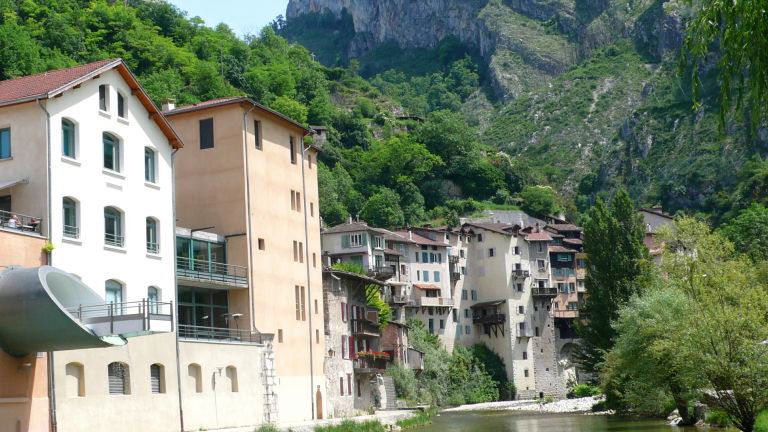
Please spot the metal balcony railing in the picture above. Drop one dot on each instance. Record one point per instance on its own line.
(434, 301)
(153, 248)
(383, 270)
(544, 291)
(213, 334)
(455, 276)
(370, 365)
(71, 232)
(566, 313)
(453, 259)
(521, 273)
(490, 319)
(209, 271)
(364, 328)
(20, 222)
(397, 299)
(114, 318)
(114, 240)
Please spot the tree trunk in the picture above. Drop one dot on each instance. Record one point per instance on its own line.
(682, 406)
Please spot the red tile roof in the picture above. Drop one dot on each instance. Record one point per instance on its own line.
(564, 227)
(419, 239)
(542, 236)
(427, 286)
(561, 249)
(40, 85)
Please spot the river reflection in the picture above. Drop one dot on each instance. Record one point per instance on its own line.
(518, 421)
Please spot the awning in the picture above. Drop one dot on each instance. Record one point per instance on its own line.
(8, 184)
(427, 287)
(487, 304)
(396, 283)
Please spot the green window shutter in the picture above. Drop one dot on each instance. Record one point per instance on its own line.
(345, 241)
(440, 258)
(365, 239)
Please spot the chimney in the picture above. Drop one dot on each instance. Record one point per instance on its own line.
(410, 234)
(168, 104)
(357, 218)
(538, 227)
(349, 218)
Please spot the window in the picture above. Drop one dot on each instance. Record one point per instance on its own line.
(293, 151)
(299, 303)
(466, 313)
(298, 202)
(114, 295)
(378, 242)
(464, 270)
(5, 143)
(519, 287)
(149, 165)
(541, 263)
(557, 241)
(153, 295)
(517, 250)
(491, 252)
(573, 306)
(202, 307)
(311, 209)
(426, 276)
(425, 257)
(462, 254)
(526, 373)
(474, 295)
(295, 251)
(525, 355)
(356, 240)
(119, 383)
(262, 244)
(152, 244)
(359, 390)
(418, 276)
(469, 239)
(557, 305)
(537, 331)
(564, 257)
(195, 373)
(206, 134)
(431, 325)
(539, 247)
(257, 133)
(521, 310)
(349, 384)
(442, 324)
(67, 138)
(455, 313)
(121, 106)
(111, 152)
(314, 260)
(317, 335)
(75, 382)
(279, 335)
(437, 276)
(581, 263)
(157, 378)
(417, 256)
(467, 330)
(561, 287)
(309, 161)
(463, 294)
(113, 229)
(70, 218)
(301, 252)
(481, 237)
(341, 386)
(103, 98)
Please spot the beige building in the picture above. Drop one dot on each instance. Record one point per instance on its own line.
(246, 175)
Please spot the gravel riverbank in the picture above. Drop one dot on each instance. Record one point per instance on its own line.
(580, 405)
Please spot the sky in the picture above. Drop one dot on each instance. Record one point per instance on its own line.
(238, 14)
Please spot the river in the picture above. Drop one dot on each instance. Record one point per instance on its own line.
(521, 421)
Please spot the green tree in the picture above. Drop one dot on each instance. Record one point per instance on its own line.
(383, 209)
(645, 362)
(617, 267)
(726, 321)
(539, 200)
(290, 108)
(749, 232)
(373, 296)
(448, 135)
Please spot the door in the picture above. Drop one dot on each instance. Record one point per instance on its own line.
(319, 402)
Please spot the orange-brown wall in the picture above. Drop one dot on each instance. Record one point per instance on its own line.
(23, 399)
(211, 191)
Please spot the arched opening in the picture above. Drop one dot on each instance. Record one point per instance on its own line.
(119, 379)
(153, 245)
(75, 382)
(195, 377)
(153, 296)
(111, 152)
(70, 213)
(319, 403)
(157, 378)
(113, 294)
(232, 378)
(113, 227)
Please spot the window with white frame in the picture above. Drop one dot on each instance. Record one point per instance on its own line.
(68, 138)
(149, 165)
(462, 253)
(378, 242)
(542, 264)
(111, 152)
(481, 237)
(356, 240)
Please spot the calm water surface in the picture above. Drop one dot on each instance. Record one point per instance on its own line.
(517, 421)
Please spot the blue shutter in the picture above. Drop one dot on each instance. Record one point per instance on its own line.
(424, 257)
(437, 276)
(426, 276)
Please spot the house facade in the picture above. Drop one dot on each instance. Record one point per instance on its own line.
(247, 176)
(87, 163)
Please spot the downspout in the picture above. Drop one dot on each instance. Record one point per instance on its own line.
(51, 376)
(309, 281)
(176, 287)
(250, 231)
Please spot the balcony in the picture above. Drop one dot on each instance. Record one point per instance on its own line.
(550, 292)
(125, 319)
(455, 276)
(19, 222)
(211, 272)
(520, 273)
(490, 319)
(222, 335)
(573, 313)
(71, 232)
(364, 328)
(114, 240)
(453, 259)
(153, 248)
(434, 301)
(384, 270)
(397, 299)
(370, 365)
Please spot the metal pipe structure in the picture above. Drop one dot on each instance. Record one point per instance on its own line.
(34, 315)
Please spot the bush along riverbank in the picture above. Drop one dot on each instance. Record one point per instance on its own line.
(420, 419)
(353, 426)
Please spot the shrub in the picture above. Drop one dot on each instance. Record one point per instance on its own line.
(667, 408)
(353, 426)
(585, 390)
(600, 406)
(267, 428)
(761, 424)
(718, 418)
(549, 399)
(455, 399)
(419, 419)
(406, 385)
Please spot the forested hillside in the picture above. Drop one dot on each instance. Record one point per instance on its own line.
(428, 134)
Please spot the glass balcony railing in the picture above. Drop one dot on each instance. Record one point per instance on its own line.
(210, 271)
